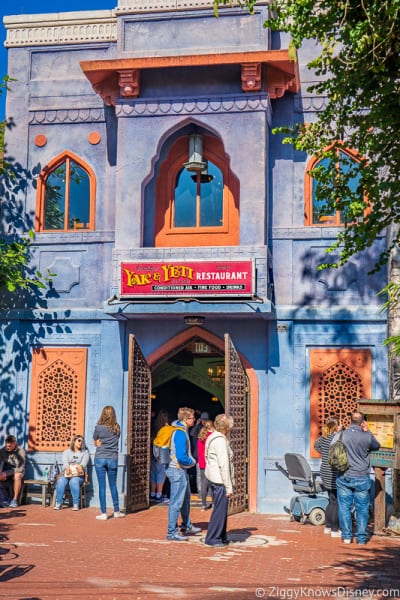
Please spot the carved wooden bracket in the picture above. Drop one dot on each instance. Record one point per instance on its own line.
(278, 81)
(251, 77)
(129, 83)
(119, 78)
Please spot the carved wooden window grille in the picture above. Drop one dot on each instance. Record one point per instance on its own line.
(57, 397)
(338, 378)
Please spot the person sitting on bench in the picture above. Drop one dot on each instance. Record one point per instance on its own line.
(12, 467)
(75, 461)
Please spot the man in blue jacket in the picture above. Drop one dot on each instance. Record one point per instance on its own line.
(180, 460)
(354, 484)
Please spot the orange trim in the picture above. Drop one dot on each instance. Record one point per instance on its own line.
(41, 190)
(277, 58)
(165, 235)
(159, 355)
(108, 76)
(328, 220)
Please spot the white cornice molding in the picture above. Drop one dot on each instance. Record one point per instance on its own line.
(60, 28)
(137, 6)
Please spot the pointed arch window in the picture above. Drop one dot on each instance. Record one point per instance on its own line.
(199, 198)
(316, 212)
(66, 192)
(197, 209)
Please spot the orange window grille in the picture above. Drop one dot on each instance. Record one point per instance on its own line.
(338, 378)
(58, 389)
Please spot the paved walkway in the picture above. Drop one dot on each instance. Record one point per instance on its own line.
(49, 555)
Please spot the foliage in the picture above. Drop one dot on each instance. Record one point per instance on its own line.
(358, 67)
(15, 247)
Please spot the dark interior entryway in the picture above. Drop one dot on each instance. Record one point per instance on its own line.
(196, 371)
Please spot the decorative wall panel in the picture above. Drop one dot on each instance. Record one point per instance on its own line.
(338, 378)
(58, 392)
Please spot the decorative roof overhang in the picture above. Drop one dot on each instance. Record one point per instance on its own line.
(272, 71)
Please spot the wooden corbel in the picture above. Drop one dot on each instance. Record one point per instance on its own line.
(278, 81)
(128, 82)
(251, 77)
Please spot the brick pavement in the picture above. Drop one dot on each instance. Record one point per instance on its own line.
(49, 555)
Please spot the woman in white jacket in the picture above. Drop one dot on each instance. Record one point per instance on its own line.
(219, 471)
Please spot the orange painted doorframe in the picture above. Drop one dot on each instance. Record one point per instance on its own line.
(158, 356)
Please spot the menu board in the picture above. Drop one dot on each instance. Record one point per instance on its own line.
(382, 427)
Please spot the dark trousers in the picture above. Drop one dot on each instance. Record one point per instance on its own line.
(331, 513)
(216, 533)
(205, 487)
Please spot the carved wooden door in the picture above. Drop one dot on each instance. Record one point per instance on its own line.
(139, 418)
(236, 400)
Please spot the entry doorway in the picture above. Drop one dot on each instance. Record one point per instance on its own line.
(192, 363)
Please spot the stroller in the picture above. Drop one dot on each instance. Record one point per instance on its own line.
(310, 501)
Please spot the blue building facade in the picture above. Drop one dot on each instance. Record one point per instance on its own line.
(179, 231)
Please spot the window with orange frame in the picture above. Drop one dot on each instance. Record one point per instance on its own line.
(315, 210)
(197, 209)
(66, 195)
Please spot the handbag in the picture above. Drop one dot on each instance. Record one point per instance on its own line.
(74, 472)
(337, 455)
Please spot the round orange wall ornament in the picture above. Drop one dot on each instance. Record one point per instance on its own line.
(94, 137)
(40, 140)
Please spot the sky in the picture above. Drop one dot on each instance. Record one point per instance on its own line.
(20, 7)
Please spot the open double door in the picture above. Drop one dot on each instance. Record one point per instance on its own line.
(139, 420)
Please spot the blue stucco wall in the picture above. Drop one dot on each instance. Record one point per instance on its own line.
(51, 96)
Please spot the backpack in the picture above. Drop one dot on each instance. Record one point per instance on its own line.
(162, 443)
(337, 455)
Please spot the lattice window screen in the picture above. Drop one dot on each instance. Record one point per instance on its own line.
(57, 397)
(338, 378)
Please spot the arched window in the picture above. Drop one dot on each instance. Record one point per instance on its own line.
(66, 195)
(315, 207)
(197, 208)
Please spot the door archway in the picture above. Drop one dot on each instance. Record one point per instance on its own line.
(247, 449)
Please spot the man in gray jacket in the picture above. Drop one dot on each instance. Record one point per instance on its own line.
(353, 486)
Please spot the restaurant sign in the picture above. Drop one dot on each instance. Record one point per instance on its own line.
(187, 278)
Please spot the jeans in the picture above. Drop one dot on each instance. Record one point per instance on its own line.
(74, 485)
(179, 500)
(107, 466)
(353, 490)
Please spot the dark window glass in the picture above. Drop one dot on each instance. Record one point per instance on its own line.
(67, 198)
(54, 207)
(198, 198)
(185, 200)
(79, 198)
(346, 164)
(211, 199)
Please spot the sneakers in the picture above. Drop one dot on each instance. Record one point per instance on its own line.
(191, 529)
(13, 503)
(336, 534)
(207, 507)
(119, 515)
(346, 541)
(176, 537)
(57, 507)
(327, 530)
(75, 507)
(102, 517)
